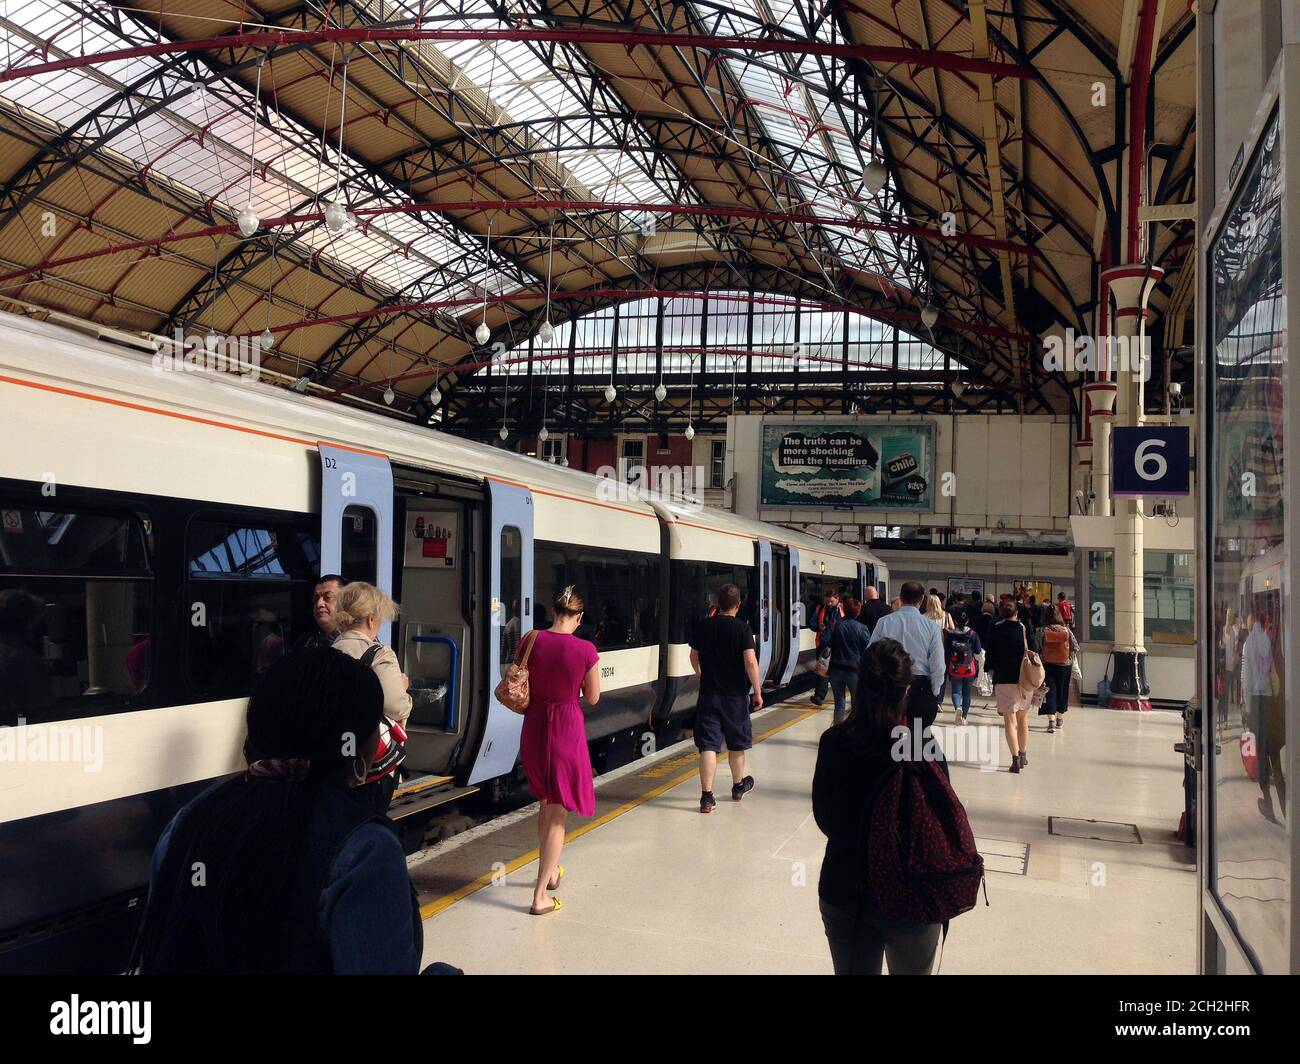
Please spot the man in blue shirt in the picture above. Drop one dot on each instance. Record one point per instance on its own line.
(923, 642)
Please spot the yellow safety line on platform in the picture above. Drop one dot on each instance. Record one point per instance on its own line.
(448, 900)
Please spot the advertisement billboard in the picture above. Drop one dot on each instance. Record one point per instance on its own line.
(865, 465)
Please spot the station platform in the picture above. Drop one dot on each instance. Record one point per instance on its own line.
(1084, 872)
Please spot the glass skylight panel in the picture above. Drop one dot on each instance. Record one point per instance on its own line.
(289, 174)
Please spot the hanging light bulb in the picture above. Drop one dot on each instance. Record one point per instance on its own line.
(690, 432)
(929, 315)
(210, 341)
(610, 393)
(248, 221)
(389, 395)
(435, 397)
(267, 339)
(564, 462)
(874, 176)
(546, 331)
(504, 432)
(300, 385)
(336, 217)
(483, 333)
(661, 393)
(543, 435)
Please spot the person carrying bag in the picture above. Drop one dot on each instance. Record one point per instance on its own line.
(513, 690)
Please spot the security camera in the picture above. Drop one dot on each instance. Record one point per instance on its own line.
(1175, 389)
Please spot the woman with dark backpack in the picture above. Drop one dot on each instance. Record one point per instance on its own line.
(1059, 649)
(961, 651)
(875, 802)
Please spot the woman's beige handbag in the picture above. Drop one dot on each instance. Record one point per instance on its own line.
(512, 691)
(1032, 674)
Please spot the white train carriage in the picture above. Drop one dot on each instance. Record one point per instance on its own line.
(161, 534)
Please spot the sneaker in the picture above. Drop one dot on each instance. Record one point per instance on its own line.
(1060, 723)
(1015, 764)
(707, 802)
(1024, 759)
(1050, 726)
(739, 790)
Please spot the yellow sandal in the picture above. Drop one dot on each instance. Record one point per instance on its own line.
(559, 874)
(556, 907)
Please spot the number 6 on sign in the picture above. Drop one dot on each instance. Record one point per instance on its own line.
(1151, 460)
(1151, 466)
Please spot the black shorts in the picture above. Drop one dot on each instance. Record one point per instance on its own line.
(719, 717)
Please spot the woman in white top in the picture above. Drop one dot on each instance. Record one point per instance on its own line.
(935, 611)
(360, 611)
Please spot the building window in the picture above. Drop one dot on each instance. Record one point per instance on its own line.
(1170, 597)
(717, 463)
(632, 460)
(553, 449)
(1099, 624)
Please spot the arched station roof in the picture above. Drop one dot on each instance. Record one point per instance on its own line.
(526, 160)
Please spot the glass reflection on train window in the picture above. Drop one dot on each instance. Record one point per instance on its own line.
(1250, 847)
(76, 612)
(248, 599)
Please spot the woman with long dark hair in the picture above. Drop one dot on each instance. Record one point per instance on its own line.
(282, 869)
(854, 760)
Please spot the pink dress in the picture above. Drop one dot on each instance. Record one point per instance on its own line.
(553, 747)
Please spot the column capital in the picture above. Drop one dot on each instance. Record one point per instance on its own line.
(1101, 397)
(1132, 284)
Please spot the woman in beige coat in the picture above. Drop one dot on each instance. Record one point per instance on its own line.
(360, 611)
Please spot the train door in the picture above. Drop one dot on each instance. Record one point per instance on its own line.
(791, 613)
(356, 519)
(510, 618)
(778, 610)
(763, 558)
(864, 579)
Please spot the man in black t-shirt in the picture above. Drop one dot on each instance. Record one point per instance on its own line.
(873, 608)
(725, 659)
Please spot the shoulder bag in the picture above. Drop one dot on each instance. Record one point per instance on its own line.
(512, 691)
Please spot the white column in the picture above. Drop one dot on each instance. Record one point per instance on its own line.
(1131, 285)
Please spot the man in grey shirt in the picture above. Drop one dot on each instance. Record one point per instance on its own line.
(923, 642)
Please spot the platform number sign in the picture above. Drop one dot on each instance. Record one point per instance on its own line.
(1151, 460)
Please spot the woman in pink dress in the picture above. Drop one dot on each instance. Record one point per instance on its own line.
(553, 747)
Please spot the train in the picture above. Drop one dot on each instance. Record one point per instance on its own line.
(161, 534)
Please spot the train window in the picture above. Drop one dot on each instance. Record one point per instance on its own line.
(767, 577)
(695, 594)
(76, 612)
(620, 590)
(249, 597)
(360, 545)
(512, 584)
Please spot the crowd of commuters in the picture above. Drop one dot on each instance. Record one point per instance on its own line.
(293, 867)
